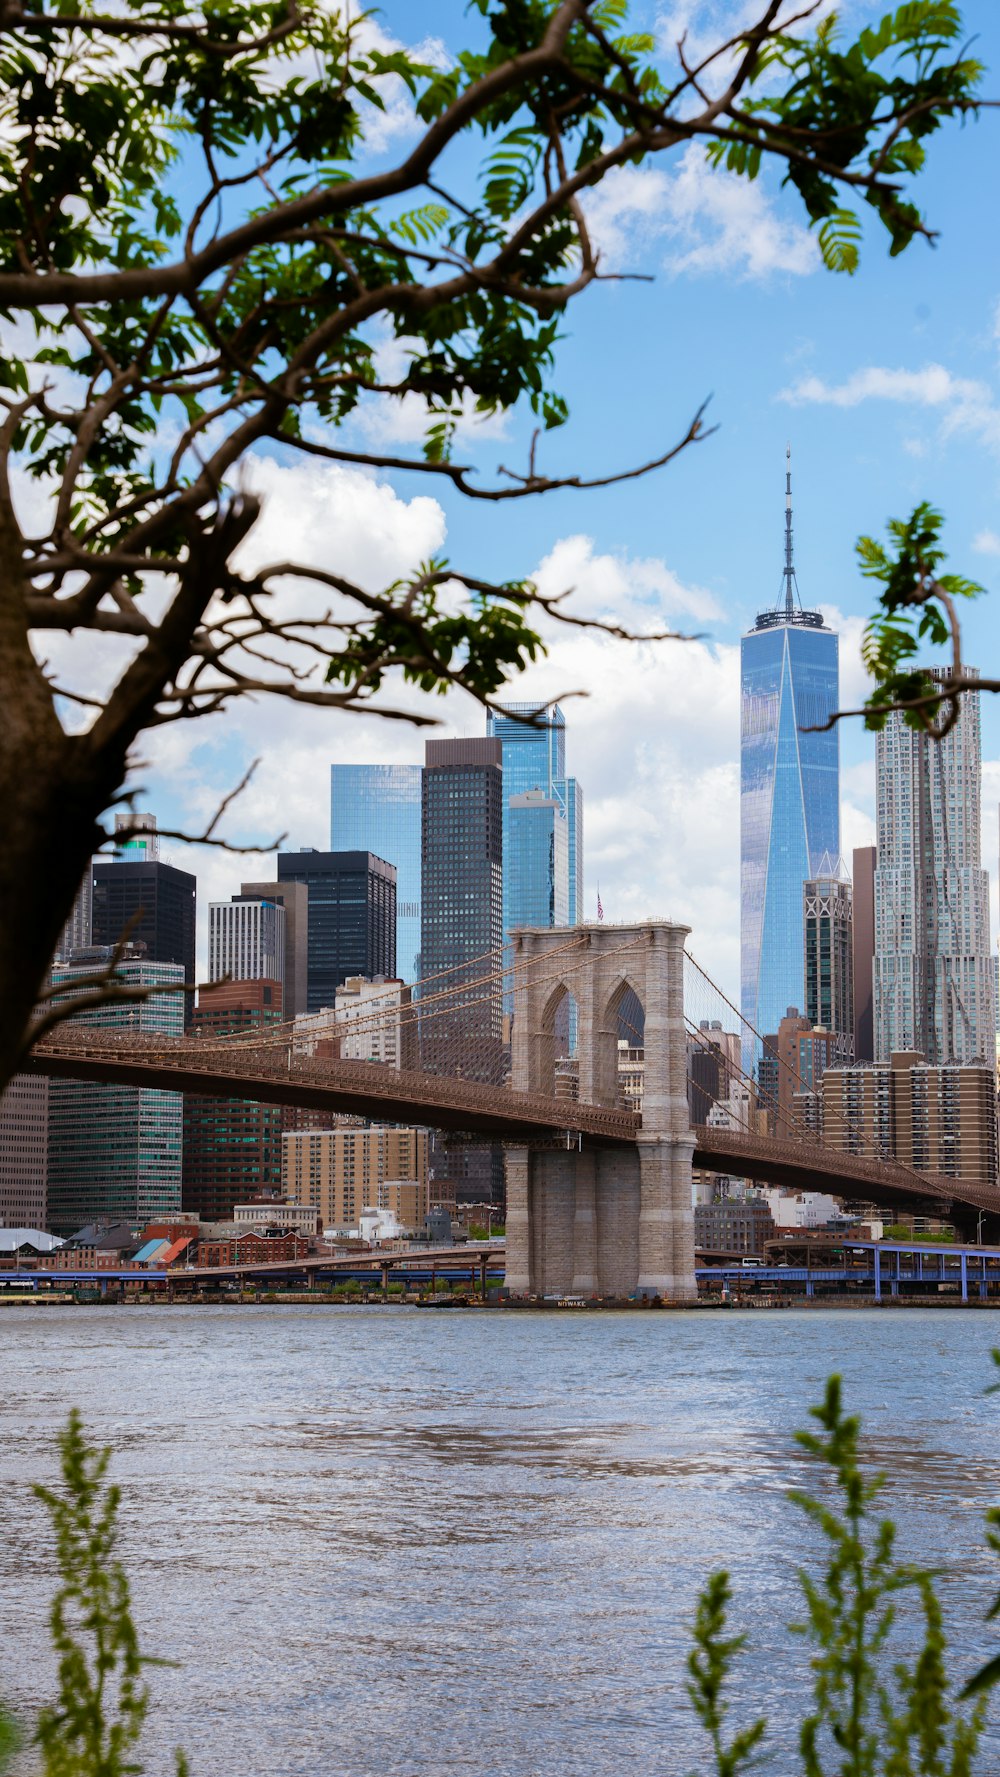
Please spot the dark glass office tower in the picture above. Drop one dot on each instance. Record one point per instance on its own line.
(461, 933)
(352, 917)
(148, 903)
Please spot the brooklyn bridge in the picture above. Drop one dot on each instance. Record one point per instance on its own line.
(598, 1193)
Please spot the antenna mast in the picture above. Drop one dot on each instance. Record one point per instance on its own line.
(789, 564)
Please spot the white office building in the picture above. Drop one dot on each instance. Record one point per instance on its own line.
(375, 1022)
(246, 940)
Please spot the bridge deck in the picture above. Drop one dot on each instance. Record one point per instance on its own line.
(364, 1088)
(388, 1095)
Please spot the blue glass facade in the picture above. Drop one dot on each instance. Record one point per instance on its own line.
(535, 861)
(536, 825)
(376, 808)
(789, 801)
(573, 796)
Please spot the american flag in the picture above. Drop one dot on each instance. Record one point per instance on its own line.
(600, 909)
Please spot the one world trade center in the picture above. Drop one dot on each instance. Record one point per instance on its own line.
(789, 791)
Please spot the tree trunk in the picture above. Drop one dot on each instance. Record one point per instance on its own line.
(50, 835)
(54, 793)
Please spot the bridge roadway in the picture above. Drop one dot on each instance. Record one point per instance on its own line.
(390, 1095)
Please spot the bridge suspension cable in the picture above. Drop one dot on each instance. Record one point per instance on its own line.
(865, 1144)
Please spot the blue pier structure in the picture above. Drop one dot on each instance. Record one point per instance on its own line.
(885, 1269)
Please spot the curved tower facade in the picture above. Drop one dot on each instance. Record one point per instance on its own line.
(789, 790)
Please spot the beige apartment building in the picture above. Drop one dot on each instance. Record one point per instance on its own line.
(936, 1119)
(340, 1172)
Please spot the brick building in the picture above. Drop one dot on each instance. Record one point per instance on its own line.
(251, 1246)
(733, 1225)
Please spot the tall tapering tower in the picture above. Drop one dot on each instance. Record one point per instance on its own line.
(789, 788)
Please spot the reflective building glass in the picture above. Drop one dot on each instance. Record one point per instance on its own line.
(789, 800)
(352, 917)
(462, 906)
(541, 835)
(572, 795)
(376, 808)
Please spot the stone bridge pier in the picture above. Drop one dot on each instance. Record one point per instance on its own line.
(591, 1220)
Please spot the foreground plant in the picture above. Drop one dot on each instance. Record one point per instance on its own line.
(95, 1724)
(871, 1716)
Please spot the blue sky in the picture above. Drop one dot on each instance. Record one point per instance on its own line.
(886, 386)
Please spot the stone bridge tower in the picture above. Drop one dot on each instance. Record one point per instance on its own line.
(607, 1221)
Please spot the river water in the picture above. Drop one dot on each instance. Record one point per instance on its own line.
(380, 1540)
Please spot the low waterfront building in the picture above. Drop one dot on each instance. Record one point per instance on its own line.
(233, 1244)
(272, 1212)
(22, 1249)
(800, 1209)
(733, 1225)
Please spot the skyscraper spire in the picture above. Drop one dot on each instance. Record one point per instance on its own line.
(789, 564)
(786, 610)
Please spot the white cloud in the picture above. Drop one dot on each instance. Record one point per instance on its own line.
(640, 593)
(338, 518)
(964, 404)
(933, 386)
(708, 220)
(986, 543)
(320, 514)
(857, 828)
(704, 25)
(383, 420)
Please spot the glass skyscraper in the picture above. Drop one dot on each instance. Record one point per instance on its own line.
(574, 818)
(352, 917)
(376, 808)
(462, 905)
(789, 792)
(542, 819)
